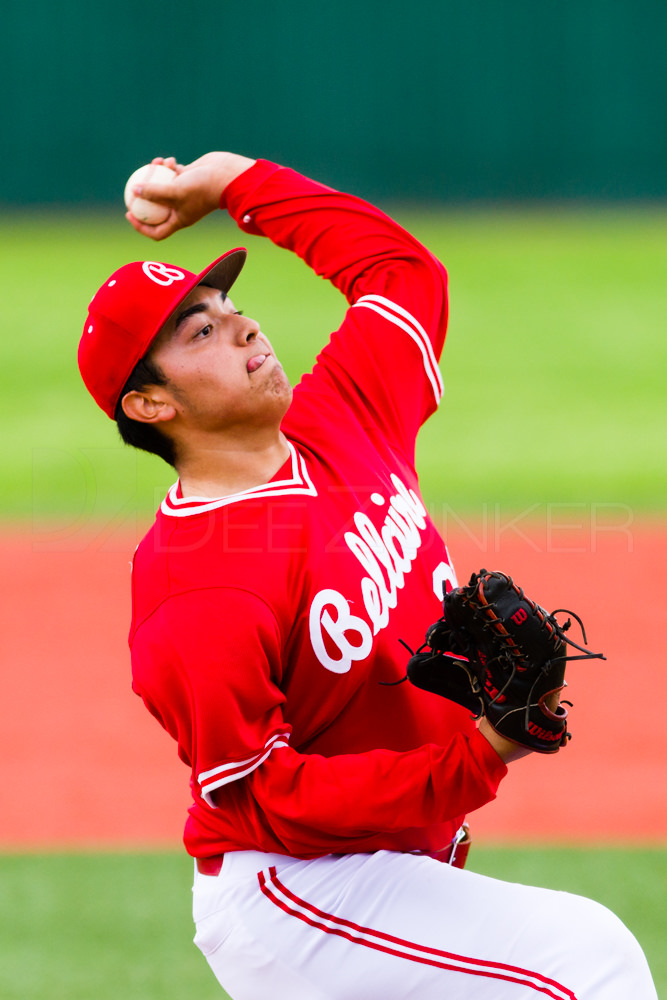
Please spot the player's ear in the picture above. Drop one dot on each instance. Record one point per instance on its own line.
(148, 407)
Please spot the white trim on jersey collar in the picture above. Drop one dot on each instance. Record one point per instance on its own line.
(406, 321)
(299, 483)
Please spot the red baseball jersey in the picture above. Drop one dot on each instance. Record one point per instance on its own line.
(266, 624)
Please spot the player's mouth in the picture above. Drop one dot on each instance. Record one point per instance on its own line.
(255, 362)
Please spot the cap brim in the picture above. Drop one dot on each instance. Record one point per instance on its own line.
(224, 271)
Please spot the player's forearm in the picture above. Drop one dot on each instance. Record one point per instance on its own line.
(360, 795)
(341, 237)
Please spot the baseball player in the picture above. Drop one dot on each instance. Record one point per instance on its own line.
(269, 600)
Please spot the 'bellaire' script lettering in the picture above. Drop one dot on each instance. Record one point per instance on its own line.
(386, 556)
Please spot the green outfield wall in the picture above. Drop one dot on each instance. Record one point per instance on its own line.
(431, 100)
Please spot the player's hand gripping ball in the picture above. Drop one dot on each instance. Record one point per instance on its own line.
(147, 211)
(499, 654)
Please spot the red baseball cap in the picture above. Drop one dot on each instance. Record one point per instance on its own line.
(128, 312)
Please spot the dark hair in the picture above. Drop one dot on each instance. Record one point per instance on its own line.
(140, 435)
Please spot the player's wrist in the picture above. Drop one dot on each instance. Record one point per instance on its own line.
(226, 168)
(507, 750)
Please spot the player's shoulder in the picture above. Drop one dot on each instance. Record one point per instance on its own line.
(234, 557)
(201, 610)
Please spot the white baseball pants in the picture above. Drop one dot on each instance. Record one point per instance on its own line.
(390, 926)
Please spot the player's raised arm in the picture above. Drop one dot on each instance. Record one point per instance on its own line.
(384, 357)
(342, 238)
(194, 192)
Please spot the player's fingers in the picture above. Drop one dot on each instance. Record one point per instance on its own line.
(135, 223)
(157, 233)
(166, 161)
(163, 194)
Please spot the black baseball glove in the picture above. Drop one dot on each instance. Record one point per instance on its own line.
(499, 654)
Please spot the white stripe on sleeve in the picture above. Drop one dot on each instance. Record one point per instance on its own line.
(406, 321)
(226, 773)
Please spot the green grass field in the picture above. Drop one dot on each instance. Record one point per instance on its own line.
(119, 925)
(554, 367)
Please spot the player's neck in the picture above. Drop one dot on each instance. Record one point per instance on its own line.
(230, 466)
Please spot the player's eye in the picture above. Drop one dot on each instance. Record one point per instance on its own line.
(238, 312)
(205, 330)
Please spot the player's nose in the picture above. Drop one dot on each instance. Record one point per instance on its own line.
(246, 330)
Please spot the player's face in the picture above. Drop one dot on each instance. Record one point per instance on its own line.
(221, 369)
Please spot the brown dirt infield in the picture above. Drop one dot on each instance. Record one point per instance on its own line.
(82, 764)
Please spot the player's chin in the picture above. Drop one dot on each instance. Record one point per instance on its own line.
(276, 381)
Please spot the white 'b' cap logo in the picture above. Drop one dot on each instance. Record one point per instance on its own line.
(161, 274)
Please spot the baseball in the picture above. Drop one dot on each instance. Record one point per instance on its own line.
(142, 209)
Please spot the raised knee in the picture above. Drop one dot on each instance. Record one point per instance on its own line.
(607, 953)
